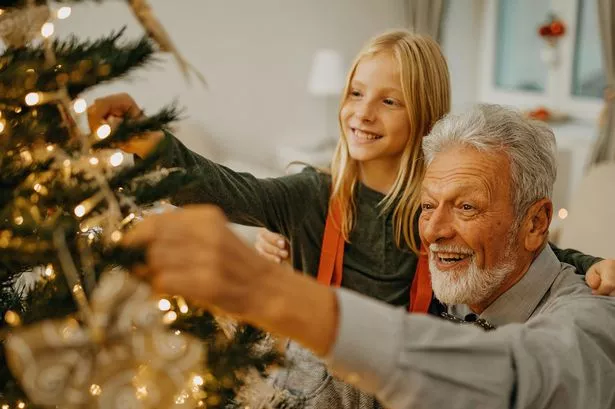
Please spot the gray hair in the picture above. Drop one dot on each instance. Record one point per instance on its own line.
(529, 144)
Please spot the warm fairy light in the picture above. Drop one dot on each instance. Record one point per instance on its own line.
(50, 148)
(183, 307)
(103, 131)
(66, 163)
(32, 98)
(198, 380)
(80, 105)
(164, 304)
(91, 236)
(37, 187)
(80, 211)
(21, 405)
(562, 214)
(48, 271)
(63, 12)
(201, 404)
(95, 389)
(116, 236)
(93, 161)
(19, 220)
(2, 126)
(141, 392)
(4, 406)
(170, 317)
(47, 29)
(12, 318)
(116, 159)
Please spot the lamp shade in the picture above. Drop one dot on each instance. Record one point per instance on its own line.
(327, 73)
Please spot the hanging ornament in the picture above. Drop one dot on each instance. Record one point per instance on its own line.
(128, 359)
(144, 13)
(20, 26)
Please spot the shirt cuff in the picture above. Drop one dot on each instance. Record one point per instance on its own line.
(368, 343)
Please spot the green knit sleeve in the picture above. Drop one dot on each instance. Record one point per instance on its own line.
(278, 204)
(582, 262)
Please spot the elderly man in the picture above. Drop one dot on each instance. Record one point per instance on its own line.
(486, 214)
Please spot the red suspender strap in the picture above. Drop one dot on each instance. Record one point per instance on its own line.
(332, 251)
(420, 291)
(332, 259)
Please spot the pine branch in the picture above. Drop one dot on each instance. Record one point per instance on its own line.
(80, 65)
(131, 128)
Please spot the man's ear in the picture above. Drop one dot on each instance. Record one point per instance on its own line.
(536, 224)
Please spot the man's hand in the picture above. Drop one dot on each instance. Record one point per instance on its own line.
(193, 253)
(111, 109)
(601, 278)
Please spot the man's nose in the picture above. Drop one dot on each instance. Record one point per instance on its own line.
(438, 226)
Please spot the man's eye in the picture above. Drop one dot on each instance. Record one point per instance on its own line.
(467, 207)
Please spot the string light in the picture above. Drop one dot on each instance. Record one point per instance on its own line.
(103, 131)
(170, 317)
(95, 389)
(164, 304)
(93, 161)
(80, 105)
(47, 29)
(198, 380)
(5, 406)
(12, 318)
(49, 273)
(49, 148)
(19, 220)
(562, 213)
(21, 405)
(80, 211)
(32, 98)
(2, 126)
(116, 159)
(116, 236)
(183, 307)
(63, 12)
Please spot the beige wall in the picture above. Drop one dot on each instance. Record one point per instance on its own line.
(256, 56)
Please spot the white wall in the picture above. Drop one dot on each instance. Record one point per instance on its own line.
(255, 55)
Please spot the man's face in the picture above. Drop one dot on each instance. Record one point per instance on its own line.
(466, 222)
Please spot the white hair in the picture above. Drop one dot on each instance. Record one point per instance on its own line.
(529, 144)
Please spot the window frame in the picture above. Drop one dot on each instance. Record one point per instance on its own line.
(558, 88)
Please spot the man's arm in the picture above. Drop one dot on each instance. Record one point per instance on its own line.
(563, 359)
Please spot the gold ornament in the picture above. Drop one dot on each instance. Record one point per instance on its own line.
(127, 358)
(143, 12)
(20, 26)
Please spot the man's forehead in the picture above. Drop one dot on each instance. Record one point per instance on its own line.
(465, 168)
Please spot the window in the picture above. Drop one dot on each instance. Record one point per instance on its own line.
(588, 77)
(521, 68)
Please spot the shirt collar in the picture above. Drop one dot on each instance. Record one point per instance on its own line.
(519, 302)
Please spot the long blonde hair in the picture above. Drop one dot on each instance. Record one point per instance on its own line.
(426, 90)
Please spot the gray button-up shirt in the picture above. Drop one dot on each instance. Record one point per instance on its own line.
(554, 348)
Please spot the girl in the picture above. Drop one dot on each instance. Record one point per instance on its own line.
(365, 209)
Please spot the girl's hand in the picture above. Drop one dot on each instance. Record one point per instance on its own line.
(272, 246)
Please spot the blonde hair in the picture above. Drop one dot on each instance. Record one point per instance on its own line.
(426, 90)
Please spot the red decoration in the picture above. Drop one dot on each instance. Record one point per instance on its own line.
(540, 113)
(551, 29)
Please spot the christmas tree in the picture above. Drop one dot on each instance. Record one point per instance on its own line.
(77, 330)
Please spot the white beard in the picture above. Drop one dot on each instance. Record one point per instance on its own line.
(472, 285)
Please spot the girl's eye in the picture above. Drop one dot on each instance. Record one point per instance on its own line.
(390, 101)
(426, 206)
(355, 93)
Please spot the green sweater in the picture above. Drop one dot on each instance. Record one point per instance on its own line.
(296, 206)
